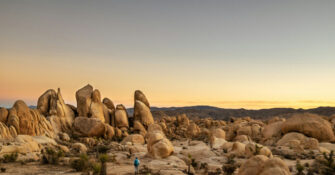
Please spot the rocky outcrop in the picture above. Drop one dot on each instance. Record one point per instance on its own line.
(3, 115)
(257, 149)
(21, 144)
(141, 97)
(110, 109)
(142, 111)
(139, 128)
(298, 141)
(89, 103)
(52, 106)
(121, 117)
(133, 139)
(28, 121)
(92, 127)
(311, 125)
(157, 144)
(261, 165)
(193, 130)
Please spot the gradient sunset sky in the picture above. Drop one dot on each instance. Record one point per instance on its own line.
(231, 54)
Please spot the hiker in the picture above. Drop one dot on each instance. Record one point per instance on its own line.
(136, 164)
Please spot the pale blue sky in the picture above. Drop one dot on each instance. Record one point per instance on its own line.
(202, 52)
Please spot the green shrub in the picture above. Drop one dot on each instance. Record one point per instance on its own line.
(96, 168)
(81, 164)
(230, 166)
(10, 157)
(50, 156)
(102, 148)
(300, 168)
(103, 158)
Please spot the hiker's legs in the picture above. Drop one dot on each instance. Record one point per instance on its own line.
(136, 169)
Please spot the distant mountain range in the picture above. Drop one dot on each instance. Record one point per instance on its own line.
(225, 114)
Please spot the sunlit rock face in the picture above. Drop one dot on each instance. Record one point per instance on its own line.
(51, 104)
(142, 111)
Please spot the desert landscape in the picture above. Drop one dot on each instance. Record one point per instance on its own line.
(97, 137)
(167, 87)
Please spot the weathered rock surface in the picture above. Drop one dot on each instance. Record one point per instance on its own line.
(142, 111)
(261, 165)
(60, 115)
(89, 103)
(298, 141)
(157, 144)
(311, 125)
(3, 115)
(109, 110)
(28, 121)
(134, 139)
(141, 97)
(121, 117)
(89, 127)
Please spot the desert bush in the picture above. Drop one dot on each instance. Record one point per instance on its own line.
(102, 148)
(10, 157)
(230, 166)
(103, 158)
(96, 168)
(50, 156)
(81, 164)
(3, 169)
(300, 168)
(324, 165)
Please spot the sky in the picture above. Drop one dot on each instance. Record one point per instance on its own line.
(231, 54)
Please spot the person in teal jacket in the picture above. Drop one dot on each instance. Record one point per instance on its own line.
(136, 164)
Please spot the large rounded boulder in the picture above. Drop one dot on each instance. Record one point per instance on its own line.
(311, 125)
(89, 127)
(121, 117)
(157, 144)
(89, 103)
(28, 121)
(142, 111)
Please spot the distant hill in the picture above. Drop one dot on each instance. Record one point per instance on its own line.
(225, 114)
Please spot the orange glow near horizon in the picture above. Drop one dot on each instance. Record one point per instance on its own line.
(229, 54)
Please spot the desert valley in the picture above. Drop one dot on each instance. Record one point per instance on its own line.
(97, 137)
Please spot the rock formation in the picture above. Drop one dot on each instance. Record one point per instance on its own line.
(121, 117)
(261, 165)
(157, 144)
(28, 121)
(311, 125)
(89, 103)
(3, 115)
(52, 106)
(142, 111)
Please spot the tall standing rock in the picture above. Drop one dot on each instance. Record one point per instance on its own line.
(51, 104)
(121, 117)
(142, 111)
(83, 97)
(89, 103)
(3, 115)
(109, 109)
(96, 108)
(141, 97)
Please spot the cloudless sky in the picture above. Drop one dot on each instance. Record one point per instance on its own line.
(232, 54)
